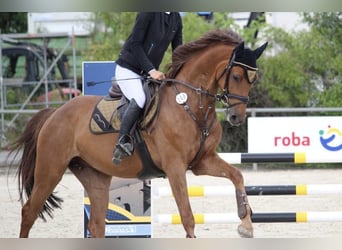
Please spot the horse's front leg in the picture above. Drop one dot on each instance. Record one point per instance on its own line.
(177, 180)
(213, 165)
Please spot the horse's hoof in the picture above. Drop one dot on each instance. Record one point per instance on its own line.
(245, 232)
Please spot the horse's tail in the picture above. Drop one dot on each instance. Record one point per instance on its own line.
(27, 143)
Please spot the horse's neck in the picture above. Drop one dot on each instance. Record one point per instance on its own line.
(203, 68)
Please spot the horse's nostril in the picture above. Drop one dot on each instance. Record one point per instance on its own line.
(234, 118)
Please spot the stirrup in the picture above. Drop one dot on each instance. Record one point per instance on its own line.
(123, 149)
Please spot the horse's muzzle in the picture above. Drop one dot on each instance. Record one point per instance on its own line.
(236, 117)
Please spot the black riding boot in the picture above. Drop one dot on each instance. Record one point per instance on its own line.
(125, 146)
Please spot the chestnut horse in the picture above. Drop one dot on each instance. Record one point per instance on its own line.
(185, 135)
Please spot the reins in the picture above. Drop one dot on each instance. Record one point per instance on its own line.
(203, 123)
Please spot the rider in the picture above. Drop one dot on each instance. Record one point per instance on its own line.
(141, 55)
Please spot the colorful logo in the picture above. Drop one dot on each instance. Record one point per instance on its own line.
(331, 139)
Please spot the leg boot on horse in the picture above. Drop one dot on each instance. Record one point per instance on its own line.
(125, 146)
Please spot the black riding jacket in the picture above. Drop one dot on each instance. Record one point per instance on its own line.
(152, 34)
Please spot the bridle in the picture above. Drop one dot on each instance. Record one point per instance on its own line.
(225, 96)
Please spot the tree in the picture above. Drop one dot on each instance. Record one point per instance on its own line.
(111, 31)
(13, 22)
(113, 28)
(328, 28)
(304, 69)
(283, 82)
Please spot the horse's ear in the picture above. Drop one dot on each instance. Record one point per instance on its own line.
(240, 48)
(260, 50)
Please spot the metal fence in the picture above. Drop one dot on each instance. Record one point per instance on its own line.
(22, 108)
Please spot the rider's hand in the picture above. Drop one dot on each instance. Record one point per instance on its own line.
(158, 75)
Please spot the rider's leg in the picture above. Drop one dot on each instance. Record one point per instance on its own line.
(131, 85)
(133, 91)
(124, 147)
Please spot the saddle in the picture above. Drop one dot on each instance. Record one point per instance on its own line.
(107, 114)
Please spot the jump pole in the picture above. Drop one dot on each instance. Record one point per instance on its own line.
(225, 218)
(297, 158)
(298, 189)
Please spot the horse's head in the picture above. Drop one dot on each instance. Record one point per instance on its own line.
(240, 75)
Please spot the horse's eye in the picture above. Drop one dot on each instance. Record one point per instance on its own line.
(236, 78)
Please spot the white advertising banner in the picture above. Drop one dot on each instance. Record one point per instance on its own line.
(295, 134)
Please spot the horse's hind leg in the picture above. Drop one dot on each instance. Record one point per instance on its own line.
(96, 184)
(44, 184)
(215, 166)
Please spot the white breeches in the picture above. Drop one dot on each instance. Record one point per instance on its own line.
(131, 88)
